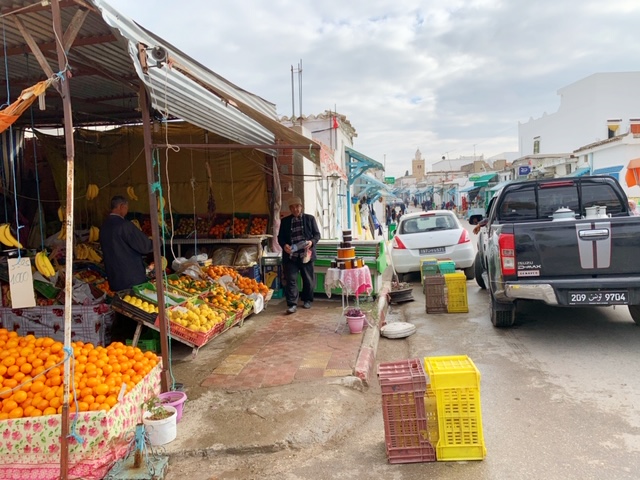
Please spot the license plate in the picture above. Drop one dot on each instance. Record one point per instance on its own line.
(425, 251)
(607, 297)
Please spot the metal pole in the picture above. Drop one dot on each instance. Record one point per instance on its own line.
(68, 285)
(157, 257)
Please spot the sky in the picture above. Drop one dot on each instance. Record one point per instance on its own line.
(450, 78)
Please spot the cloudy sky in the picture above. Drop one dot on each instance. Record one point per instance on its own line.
(450, 78)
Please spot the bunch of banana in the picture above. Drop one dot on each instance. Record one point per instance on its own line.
(136, 223)
(7, 238)
(43, 264)
(132, 193)
(62, 234)
(83, 251)
(62, 213)
(92, 191)
(94, 234)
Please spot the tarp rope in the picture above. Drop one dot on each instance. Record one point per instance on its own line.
(35, 159)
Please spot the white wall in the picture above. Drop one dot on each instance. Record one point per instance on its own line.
(585, 107)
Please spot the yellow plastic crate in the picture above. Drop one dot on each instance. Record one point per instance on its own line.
(456, 292)
(456, 371)
(460, 435)
(455, 384)
(431, 410)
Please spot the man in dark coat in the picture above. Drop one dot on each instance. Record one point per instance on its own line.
(123, 247)
(298, 237)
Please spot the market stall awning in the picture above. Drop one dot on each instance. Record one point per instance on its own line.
(358, 163)
(482, 180)
(469, 188)
(612, 171)
(580, 172)
(497, 187)
(633, 173)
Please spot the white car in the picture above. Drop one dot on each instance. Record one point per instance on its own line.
(435, 233)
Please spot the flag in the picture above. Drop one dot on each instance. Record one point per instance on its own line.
(335, 123)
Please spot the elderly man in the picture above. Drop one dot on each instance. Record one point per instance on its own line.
(298, 237)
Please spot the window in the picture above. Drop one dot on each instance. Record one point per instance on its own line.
(602, 195)
(551, 199)
(518, 205)
(536, 145)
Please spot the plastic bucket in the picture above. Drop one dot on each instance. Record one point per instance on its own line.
(175, 399)
(163, 431)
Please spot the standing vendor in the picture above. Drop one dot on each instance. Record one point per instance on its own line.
(123, 247)
(298, 236)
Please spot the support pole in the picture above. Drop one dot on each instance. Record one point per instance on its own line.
(155, 227)
(68, 285)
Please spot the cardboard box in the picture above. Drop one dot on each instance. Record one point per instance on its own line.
(272, 275)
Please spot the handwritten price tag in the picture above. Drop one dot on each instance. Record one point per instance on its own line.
(21, 283)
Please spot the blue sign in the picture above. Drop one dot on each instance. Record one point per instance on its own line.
(526, 170)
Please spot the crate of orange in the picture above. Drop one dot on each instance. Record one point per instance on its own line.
(187, 285)
(258, 224)
(230, 302)
(30, 410)
(249, 285)
(240, 224)
(221, 226)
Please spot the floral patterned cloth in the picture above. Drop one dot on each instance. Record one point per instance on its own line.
(354, 281)
(30, 447)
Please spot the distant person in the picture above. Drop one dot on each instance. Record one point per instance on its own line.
(633, 208)
(298, 236)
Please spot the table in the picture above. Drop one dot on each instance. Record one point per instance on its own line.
(354, 281)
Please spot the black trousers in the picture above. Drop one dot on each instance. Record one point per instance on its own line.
(291, 269)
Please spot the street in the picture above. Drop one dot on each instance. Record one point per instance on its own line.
(558, 394)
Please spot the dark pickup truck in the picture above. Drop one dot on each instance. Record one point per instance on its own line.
(564, 241)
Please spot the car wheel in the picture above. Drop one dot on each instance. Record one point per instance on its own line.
(477, 265)
(634, 310)
(470, 272)
(502, 314)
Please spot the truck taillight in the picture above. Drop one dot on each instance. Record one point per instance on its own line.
(397, 243)
(464, 237)
(507, 245)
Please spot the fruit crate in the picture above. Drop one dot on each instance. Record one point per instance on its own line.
(240, 224)
(456, 292)
(258, 224)
(403, 386)
(455, 381)
(127, 309)
(435, 298)
(186, 226)
(148, 292)
(150, 344)
(446, 266)
(221, 226)
(428, 267)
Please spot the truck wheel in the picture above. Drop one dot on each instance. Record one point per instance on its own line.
(502, 314)
(634, 310)
(470, 272)
(477, 265)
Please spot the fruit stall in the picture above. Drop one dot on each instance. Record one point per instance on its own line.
(198, 310)
(109, 387)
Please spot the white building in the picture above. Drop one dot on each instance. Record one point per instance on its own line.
(587, 109)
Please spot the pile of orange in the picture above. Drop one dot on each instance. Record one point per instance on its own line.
(250, 285)
(98, 375)
(217, 271)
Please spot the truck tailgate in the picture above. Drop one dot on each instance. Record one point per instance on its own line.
(575, 248)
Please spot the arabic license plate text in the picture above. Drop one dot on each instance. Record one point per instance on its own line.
(425, 251)
(609, 297)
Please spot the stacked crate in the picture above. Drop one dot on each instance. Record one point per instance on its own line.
(456, 292)
(434, 294)
(403, 385)
(455, 386)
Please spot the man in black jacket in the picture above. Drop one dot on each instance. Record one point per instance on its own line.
(298, 236)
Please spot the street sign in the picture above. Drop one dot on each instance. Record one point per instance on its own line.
(524, 170)
(390, 180)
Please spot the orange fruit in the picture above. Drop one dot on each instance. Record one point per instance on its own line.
(16, 413)
(49, 411)
(89, 399)
(111, 400)
(12, 370)
(8, 405)
(101, 389)
(35, 413)
(26, 368)
(37, 386)
(20, 396)
(8, 361)
(27, 410)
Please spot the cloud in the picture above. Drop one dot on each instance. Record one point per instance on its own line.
(447, 79)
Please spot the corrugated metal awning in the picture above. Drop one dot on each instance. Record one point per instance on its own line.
(497, 187)
(612, 171)
(580, 172)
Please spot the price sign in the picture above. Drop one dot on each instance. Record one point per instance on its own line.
(21, 283)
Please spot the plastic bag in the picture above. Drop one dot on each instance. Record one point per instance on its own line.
(223, 256)
(247, 255)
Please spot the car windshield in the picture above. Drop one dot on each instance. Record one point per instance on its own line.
(428, 223)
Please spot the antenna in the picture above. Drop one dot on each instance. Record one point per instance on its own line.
(297, 70)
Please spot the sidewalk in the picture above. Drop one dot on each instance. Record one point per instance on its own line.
(273, 381)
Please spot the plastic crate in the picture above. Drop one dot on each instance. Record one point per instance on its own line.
(431, 410)
(459, 425)
(428, 267)
(446, 266)
(435, 298)
(403, 386)
(456, 292)
(240, 224)
(455, 383)
(258, 224)
(148, 344)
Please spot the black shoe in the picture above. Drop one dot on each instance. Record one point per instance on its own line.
(292, 309)
(307, 305)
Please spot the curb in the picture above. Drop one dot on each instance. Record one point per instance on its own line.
(367, 355)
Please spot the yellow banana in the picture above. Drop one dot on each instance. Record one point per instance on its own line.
(39, 265)
(93, 255)
(131, 193)
(62, 234)
(47, 264)
(94, 234)
(92, 191)
(7, 238)
(61, 213)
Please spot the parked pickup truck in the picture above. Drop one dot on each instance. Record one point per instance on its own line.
(567, 241)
